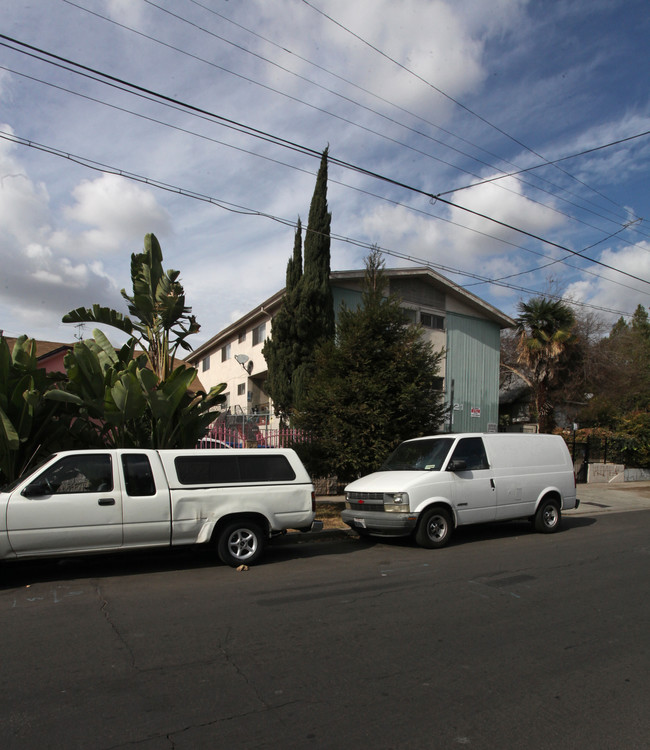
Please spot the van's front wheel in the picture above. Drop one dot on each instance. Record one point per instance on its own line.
(548, 517)
(240, 543)
(434, 529)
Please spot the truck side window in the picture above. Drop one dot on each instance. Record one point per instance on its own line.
(233, 468)
(138, 476)
(472, 451)
(80, 473)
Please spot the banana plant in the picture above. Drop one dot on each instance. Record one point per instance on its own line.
(122, 403)
(30, 425)
(159, 321)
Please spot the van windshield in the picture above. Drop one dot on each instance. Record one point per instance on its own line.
(418, 455)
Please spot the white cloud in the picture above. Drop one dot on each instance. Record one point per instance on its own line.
(613, 290)
(118, 211)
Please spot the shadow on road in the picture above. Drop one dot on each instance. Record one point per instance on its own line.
(139, 562)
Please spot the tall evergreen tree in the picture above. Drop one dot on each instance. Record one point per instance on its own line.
(315, 309)
(376, 385)
(306, 317)
(281, 350)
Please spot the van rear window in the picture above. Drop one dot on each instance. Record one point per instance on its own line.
(233, 469)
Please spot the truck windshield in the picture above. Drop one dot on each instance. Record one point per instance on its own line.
(419, 455)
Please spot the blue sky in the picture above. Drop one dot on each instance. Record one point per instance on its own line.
(438, 96)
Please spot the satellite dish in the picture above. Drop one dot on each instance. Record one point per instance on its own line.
(241, 358)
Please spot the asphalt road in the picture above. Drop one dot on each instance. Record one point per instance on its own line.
(505, 639)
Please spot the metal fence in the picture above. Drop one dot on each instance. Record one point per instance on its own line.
(251, 435)
(626, 451)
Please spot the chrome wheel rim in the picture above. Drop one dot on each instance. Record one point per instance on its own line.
(550, 516)
(437, 528)
(242, 544)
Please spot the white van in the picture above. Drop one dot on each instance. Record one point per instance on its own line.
(430, 485)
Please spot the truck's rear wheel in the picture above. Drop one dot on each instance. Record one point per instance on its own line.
(240, 543)
(548, 516)
(434, 529)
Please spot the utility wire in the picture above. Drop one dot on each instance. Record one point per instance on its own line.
(239, 209)
(254, 132)
(452, 99)
(365, 128)
(357, 104)
(404, 110)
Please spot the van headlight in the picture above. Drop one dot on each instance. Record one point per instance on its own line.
(396, 502)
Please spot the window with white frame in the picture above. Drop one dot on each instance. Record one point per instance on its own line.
(241, 389)
(205, 364)
(225, 353)
(242, 337)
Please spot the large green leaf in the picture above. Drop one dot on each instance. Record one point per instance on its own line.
(99, 314)
(124, 401)
(9, 432)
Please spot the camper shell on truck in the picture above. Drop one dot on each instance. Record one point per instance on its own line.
(429, 486)
(80, 502)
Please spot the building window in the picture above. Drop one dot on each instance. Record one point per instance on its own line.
(410, 314)
(205, 364)
(225, 353)
(259, 334)
(242, 337)
(241, 389)
(436, 322)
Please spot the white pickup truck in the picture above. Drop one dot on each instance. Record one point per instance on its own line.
(79, 502)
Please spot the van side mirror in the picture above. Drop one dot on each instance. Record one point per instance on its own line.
(457, 464)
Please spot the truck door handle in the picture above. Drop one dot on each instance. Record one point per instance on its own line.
(492, 484)
(106, 501)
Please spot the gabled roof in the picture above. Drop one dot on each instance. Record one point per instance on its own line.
(442, 283)
(269, 307)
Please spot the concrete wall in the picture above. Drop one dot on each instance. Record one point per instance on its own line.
(615, 473)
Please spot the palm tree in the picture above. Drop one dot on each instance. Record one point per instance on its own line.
(544, 335)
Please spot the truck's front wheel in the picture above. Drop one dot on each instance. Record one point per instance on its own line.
(240, 543)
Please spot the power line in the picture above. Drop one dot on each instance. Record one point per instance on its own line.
(236, 208)
(291, 166)
(451, 98)
(355, 103)
(277, 140)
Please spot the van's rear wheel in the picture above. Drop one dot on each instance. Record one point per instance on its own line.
(548, 517)
(240, 543)
(434, 529)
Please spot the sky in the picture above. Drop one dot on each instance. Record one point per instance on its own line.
(203, 122)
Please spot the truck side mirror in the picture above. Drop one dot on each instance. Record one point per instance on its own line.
(36, 489)
(457, 464)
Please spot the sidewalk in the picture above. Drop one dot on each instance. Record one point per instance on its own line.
(611, 498)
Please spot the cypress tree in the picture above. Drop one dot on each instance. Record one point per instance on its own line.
(281, 351)
(315, 308)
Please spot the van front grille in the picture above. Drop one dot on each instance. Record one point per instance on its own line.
(368, 501)
(368, 497)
